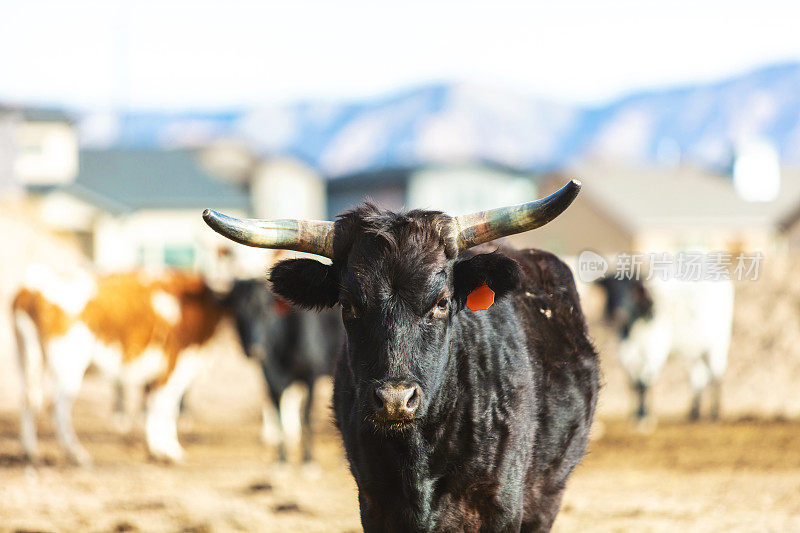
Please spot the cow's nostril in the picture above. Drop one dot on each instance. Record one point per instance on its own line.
(413, 400)
(376, 397)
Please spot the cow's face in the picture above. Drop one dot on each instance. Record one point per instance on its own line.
(400, 286)
(627, 300)
(250, 304)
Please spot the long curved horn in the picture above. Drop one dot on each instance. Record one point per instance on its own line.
(310, 236)
(484, 226)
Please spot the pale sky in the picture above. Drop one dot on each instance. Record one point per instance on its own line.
(203, 54)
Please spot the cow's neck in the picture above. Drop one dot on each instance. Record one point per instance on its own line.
(420, 461)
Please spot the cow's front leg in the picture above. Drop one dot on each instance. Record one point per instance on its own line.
(271, 433)
(307, 435)
(699, 376)
(640, 388)
(163, 405)
(160, 425)
(368, 523)
(715, 399)
(287, 403)
(542, 518)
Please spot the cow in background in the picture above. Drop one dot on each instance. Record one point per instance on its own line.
(137, 329)
(290, 345)
(687, 320)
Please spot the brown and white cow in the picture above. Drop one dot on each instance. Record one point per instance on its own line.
(136, 328)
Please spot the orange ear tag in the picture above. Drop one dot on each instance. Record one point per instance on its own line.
(481, 298)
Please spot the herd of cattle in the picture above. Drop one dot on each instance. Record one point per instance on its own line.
(452, 416)
(147, 331)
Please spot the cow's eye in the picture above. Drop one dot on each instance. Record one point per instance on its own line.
(347, 307)
(441, 307)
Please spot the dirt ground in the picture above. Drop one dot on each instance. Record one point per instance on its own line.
(742, 474)
(731, 476)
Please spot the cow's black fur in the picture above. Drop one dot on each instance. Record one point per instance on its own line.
(290, 344)
(508, 394)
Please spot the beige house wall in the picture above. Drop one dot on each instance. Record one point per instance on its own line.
(583, 226)
(674, 240)
(47, 153)
(8, 144)
(285, 188)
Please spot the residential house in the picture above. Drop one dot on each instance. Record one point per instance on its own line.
(46, 151)
(454, 189)
(646, 209)
(132, 208)
(38, 147)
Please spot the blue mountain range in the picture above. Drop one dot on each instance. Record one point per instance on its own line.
(454, 123)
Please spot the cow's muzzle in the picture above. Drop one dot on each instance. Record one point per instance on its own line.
(396, 401)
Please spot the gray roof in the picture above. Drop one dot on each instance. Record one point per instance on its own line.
(42, 114)
(38, 114)
(130, 180)
(642, 197)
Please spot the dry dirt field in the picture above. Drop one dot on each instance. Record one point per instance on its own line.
(742, 474)
(731, 476)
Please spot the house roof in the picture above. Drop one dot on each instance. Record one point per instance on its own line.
(397, 173)
(130, 180)
(41, 114)
(38, 114)
(647, 197)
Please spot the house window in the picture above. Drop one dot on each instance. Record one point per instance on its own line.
(466, 190)
(31, 149)
(147, 256)
(179, 256)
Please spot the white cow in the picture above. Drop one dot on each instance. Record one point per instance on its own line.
(687, 320)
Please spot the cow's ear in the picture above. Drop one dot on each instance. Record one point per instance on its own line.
(496, 270)
(307, 283)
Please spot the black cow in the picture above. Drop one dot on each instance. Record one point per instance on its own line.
(291, 345)
(452, 420)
